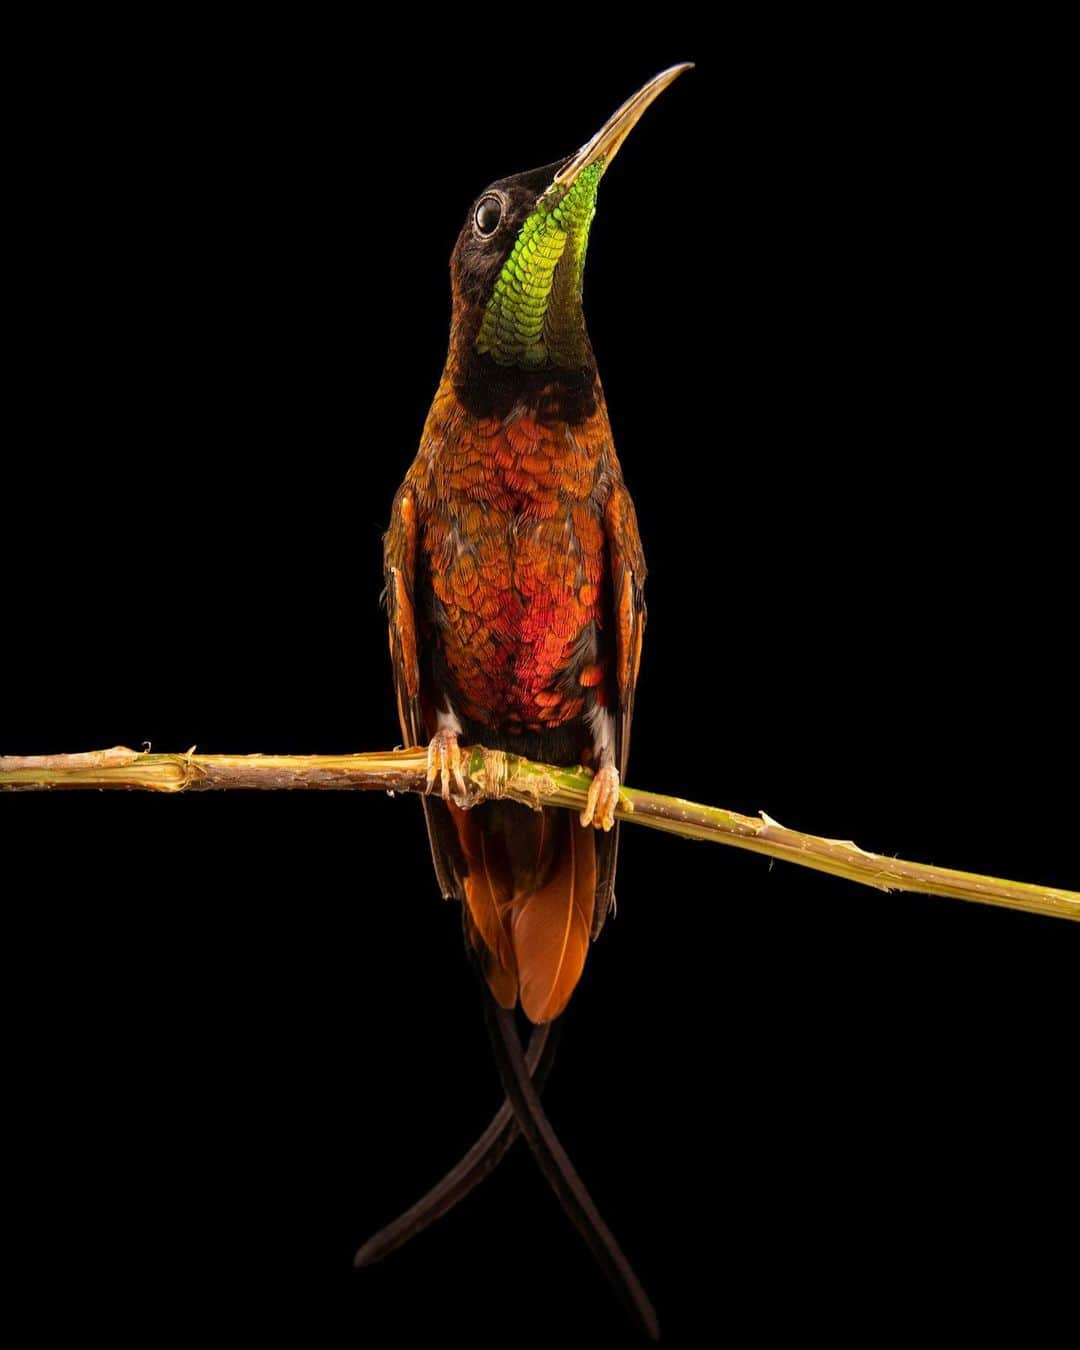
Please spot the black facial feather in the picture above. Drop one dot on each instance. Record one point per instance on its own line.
(477, 260)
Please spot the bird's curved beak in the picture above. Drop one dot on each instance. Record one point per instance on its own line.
(604, 146)
(533, 315)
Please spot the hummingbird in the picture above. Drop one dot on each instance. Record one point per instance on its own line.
(515, 595)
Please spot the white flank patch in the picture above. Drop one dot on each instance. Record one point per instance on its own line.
(448, 721)
(602, 725)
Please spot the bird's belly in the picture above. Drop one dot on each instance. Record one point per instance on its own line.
(517, 606)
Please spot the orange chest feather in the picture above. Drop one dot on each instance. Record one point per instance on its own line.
(515, 555)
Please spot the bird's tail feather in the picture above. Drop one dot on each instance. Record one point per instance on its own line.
(531, 895)
(480, 1161)
(559, 1170)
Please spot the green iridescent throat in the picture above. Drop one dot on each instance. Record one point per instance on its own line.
(534, 316)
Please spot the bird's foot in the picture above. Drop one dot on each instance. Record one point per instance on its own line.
(603, 799)
(444, 762)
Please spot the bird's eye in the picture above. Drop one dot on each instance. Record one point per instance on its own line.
(488, 215)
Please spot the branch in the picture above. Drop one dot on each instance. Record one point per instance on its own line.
(493, 774)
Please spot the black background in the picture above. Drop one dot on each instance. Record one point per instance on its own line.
(242, 1032)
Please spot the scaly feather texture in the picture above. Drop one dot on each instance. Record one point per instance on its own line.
(514, 581)
(514, 578)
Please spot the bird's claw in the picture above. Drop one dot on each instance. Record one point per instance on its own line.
(444, 762)
(603, 799)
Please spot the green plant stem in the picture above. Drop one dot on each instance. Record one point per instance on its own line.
(491, 774)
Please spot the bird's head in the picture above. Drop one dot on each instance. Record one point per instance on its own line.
(518, 263)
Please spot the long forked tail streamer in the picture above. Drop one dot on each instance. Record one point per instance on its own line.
(559, 1170)
(480, 1161)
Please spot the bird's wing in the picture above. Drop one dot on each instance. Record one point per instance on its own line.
(628, 590)
(399, 565)
(627, 561)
